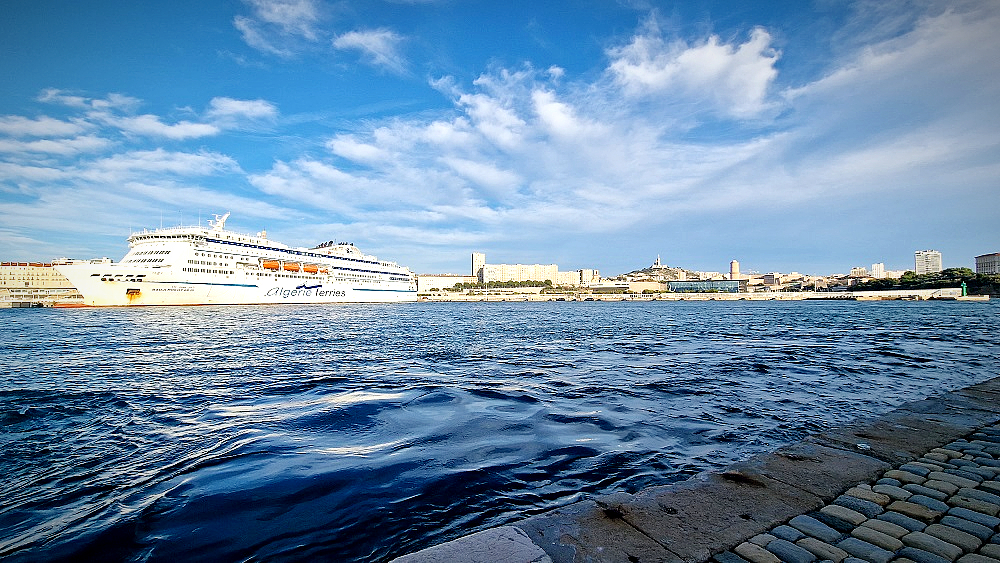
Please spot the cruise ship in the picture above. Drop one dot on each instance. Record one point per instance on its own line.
(214, 266)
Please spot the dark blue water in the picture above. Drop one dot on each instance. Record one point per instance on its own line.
(365, 432)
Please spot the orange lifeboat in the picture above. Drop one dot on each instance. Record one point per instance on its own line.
(270, 265)
(324, 271)
(310, 268)
(291, 266)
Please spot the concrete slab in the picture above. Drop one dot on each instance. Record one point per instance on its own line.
(816, 469)
(585, 531)
(506, 544)
(698, 518)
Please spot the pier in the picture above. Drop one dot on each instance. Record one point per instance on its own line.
(920, 484)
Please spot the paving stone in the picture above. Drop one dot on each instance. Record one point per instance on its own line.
(787, 532)
(943, 486)
(967, 526)
(990, 486)
(926, 491)
(951, 478)
(887, 528)
(728, 557)
(921, 556)
(966, 541)
(842, 526)
(949, 453)
(864, 550)
(965, 462)
(755, 553)
(822, 550)
(869, 494)
(987, 462)
(976, 558)
(981, 495)
(892, 491)
(789, 552)
(876, 537)
(977, 517)
(864, 507)
(931, 503)
(813, 527)
(983, 473)
(855, 560)
(911, 524)
(968, 475)
(762, 539)
(990, 550)
(974, 504)
(888, 481)
(928, 465)
(936, 456)
(916, 469)
(914, 510)
(844, 513)
(937, 546)
(906, 476)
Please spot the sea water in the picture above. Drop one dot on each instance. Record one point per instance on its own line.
(364, 432)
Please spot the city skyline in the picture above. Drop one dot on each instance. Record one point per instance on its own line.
(789, 136)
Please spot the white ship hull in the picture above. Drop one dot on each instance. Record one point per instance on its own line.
(202, 266)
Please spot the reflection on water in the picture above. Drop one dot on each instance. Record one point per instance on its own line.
(363, 432)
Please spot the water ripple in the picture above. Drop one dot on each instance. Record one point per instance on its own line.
(359, 433)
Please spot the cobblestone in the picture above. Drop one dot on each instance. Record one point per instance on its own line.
(934, 545)
(887, 528)
(864, 550)
(967, 526)
(790, 553)
(964, 540)
(822, 550)
(755, 553)
(813, 527)
(878, 538)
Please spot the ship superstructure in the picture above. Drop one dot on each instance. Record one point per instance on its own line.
(214, 266)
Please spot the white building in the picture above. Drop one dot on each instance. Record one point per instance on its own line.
(988, 264)
(927, 261)
(878, 271)
(859, 272)
(487, 273)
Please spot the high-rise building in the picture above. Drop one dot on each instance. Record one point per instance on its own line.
(478, 261)
(878, 271)
(734, 270)
(927, 261)
(988, 264)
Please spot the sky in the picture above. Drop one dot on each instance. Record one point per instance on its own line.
(789, 135)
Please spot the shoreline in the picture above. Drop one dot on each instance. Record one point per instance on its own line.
(822, 496)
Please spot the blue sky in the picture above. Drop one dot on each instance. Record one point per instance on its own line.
(792, 136)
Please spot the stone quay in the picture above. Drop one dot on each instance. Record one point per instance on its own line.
(920, 484)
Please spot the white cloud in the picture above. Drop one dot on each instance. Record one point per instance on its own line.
(162, 161)
(220, 108)
(152, 126)
(379, 47)
(17, 126)
(278, 26)
(350, 148)
(292, 17)
(75, 145)
(734, 79)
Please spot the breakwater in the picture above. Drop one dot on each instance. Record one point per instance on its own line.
(366, 432)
